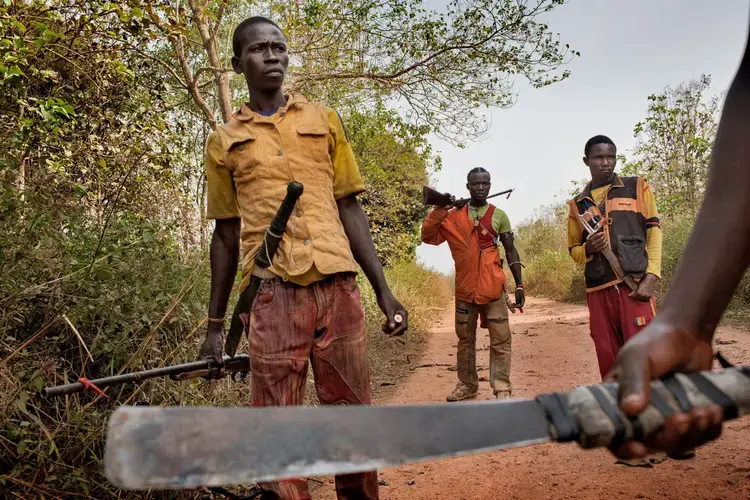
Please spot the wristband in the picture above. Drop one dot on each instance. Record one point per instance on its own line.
(519, 286)
(216, 320)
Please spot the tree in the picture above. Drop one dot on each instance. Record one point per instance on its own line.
(674, 145)
(439, 68)
(395, 160)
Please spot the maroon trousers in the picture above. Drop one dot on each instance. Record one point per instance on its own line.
(614, 319)
(293, 327)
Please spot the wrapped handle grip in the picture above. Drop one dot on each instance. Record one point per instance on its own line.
(277, 227)
(591, 416)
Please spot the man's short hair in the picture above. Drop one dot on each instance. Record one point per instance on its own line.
(240, 29)
(476, 170)
(597, 139)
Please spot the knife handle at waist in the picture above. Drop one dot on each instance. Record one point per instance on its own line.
(263, 259)
(591, 416)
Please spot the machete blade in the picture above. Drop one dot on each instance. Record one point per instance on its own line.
(185, 447)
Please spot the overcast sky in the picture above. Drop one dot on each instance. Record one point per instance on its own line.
(629, 50)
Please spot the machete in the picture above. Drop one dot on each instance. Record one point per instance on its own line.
(185, 447)
(263, 260)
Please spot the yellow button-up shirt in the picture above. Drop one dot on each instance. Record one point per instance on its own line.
(250, 161)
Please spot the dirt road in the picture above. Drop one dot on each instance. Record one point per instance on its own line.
(552, 351)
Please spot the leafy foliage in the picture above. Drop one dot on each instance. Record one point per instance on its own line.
(543, 245)
(440, 68)
(103, 256)
(674, 145)
(395, 160)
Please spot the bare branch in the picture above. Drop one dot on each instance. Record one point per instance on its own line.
(193, 82)
(209, 44)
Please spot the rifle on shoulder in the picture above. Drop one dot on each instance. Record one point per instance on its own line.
(438, 199)
(263, 259)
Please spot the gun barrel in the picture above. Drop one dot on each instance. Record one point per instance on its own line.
(432, 197)
(62, 390)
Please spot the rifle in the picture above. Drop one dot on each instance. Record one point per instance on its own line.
(593, 226)
(263, 259)
(206, 368)
(432, 197)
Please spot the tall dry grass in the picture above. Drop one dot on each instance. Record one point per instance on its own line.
(54, 448)
(550, 272)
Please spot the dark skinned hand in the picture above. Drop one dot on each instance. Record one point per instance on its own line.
(213, 346)
(645, 289)
(457, 203)
(596, 243)
(520, 297)
(392, 307)
(659, 349)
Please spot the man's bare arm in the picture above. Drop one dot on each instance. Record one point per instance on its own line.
(514, 262)
(357, 230)
(679, 339)
(225, 249)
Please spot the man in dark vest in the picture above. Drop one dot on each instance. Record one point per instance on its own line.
(473, 233)
(625, 209)
(715, 259)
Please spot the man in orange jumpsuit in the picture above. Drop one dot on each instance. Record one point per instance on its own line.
(473, 232)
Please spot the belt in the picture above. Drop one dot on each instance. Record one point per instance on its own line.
(263, 274)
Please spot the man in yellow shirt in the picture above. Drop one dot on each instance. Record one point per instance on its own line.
(307, 310)
(627, 209)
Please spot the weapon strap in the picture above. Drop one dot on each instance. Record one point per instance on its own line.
(715, 394)
(89, 386)
(556, 407)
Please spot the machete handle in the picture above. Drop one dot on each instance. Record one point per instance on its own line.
(591, 416)
(276, 229)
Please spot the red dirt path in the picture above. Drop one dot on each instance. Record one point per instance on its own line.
(552, 351)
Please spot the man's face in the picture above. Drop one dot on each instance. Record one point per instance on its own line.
(264, 58)
(479, 186)
(601, 160)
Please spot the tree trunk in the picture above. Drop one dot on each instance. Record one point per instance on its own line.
(208, 37)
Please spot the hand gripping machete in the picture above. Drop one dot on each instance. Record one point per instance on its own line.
(263, 260)
(185, 447)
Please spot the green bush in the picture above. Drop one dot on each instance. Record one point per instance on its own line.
(550, 272)
(677, 231)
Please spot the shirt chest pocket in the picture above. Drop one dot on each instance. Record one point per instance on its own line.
(243, 157)
(314, 140)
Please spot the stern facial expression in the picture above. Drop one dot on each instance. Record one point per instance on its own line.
(264, 58)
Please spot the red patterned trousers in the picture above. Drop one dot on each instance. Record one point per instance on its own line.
(293, 327)
(614, 319)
